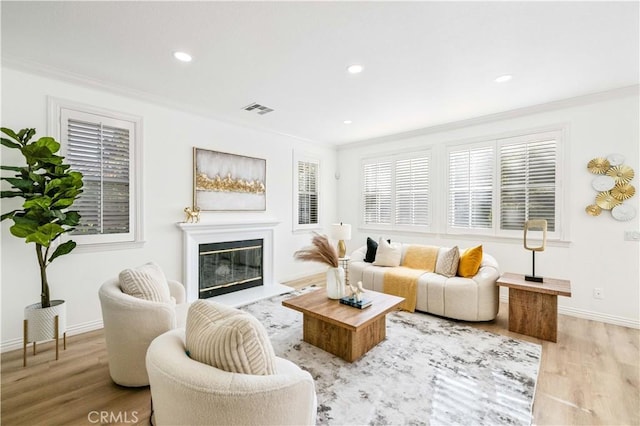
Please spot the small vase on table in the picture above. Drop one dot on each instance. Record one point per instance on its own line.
(335, 282)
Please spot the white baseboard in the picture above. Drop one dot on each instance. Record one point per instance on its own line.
(590, 315)
(13, 344)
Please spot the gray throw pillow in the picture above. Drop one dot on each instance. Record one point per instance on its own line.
(447, 263)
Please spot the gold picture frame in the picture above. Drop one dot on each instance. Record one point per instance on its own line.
(228, 182)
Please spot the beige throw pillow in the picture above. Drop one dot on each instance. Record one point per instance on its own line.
(388, 254)
(228, 339)
(146, 282)
(447, 263)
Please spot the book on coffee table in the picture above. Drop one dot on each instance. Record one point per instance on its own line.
(360, 304)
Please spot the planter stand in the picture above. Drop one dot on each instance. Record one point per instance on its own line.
(41, 328)
(56, 337)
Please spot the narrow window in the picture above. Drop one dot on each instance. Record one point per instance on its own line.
(104, 146)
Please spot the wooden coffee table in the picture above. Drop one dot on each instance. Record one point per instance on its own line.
(342, 330)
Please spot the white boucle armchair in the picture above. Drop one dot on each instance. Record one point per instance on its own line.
(188, 392)
(131, 323)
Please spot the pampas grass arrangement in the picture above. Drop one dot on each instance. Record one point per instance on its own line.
(319, 251)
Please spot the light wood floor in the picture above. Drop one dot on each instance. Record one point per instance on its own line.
(590, 377)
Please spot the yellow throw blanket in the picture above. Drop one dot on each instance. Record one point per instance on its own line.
(402, 281)
(421, 257)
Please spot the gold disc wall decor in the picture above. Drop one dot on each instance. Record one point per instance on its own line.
(598, 165)
(623, 192)
(593, 210)
(622, 173)
(614, 187)
(606, 201)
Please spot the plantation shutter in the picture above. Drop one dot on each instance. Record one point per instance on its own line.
(307, 193)
(102, 153)
(412, 191)
(528, 183)
(377, 193)
(471, 188)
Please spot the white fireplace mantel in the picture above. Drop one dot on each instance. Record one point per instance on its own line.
(195, 234)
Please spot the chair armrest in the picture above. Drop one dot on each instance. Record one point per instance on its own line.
(177, 291)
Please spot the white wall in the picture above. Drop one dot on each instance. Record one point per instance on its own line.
(596, 255)
(169, 136)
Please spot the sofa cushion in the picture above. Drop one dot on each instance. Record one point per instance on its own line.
(228, 339)
(388, 254)
(145, 282)
(420, 257)
(470, 261)
(447, 263)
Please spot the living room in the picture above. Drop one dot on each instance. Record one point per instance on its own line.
(78, 59)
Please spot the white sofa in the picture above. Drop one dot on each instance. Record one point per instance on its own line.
(188, 392)
(130, 324)
(468, 299)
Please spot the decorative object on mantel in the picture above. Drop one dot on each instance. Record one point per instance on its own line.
(613, 186)
(48, 188)
(322, 251)
(192, 215)
(539, 225)
(341, 231)
(228, 182)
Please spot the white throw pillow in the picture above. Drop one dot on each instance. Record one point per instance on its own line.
(388, 254)
(146, 282)
(228, 339)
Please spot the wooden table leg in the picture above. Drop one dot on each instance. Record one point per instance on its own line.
(534, 314)
(347, 344)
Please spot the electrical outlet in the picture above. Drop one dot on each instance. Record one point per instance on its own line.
(597, 293)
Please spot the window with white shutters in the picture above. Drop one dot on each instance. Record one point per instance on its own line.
(494, 186)
(377, 193)
(470, 204)
(396, 192)
(306, 193)
(412, 191)
(103, 148)
(528, 182)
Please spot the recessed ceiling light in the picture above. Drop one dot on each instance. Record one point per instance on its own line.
(355, 69)
(347, 121)
(503, 78)
(182, 56)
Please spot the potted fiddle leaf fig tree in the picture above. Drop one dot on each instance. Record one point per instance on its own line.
(49, 188)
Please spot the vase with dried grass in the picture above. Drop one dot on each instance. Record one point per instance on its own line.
(322, 252)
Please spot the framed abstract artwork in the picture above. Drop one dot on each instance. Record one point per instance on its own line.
(228, 182)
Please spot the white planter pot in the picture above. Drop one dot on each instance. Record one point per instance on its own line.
(335, 283)
(41, 321)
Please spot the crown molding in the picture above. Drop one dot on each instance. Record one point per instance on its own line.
(70, 77)
(633, 90)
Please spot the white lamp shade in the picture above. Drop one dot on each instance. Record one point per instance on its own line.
(341, 231)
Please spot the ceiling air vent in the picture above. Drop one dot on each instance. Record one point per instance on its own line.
(260, 109)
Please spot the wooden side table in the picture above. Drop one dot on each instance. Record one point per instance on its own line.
(533, 307)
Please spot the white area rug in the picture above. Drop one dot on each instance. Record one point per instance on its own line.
(428, 370)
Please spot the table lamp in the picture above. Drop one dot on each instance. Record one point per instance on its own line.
(341, 231)
(534, 243)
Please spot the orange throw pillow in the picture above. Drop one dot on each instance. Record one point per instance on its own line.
(470, 261)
